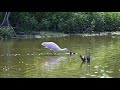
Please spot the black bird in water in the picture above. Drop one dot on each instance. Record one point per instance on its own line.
(83, 58)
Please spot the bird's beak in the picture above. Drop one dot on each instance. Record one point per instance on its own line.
(68, 51)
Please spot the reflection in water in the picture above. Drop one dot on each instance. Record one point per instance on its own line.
(87, 67)
(25, 58)
(53, 62)
(82, 64)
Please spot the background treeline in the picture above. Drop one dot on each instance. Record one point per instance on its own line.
(65, 22)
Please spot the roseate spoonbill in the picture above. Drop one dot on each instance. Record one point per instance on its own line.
(54, 47)
(83, 58)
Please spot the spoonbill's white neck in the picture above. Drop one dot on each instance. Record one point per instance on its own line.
(64, 50)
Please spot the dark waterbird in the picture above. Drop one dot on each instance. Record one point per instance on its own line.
(87, 57)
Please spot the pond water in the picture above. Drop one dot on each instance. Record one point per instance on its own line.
(29, 59)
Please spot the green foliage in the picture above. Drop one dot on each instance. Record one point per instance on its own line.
(6, 32)
(65, 22)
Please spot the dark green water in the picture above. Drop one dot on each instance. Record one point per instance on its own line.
(28, 59)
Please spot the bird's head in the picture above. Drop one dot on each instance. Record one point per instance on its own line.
(87, 51)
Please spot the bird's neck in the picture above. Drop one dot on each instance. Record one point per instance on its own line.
(87, 52)
(63, 50)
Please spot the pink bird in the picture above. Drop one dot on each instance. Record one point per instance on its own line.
(54, 47)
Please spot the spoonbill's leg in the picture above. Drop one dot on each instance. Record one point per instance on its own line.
(51, 52)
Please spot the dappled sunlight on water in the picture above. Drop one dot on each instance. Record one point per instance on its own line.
(28, 58)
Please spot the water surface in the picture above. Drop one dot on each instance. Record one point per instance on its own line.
(28, 59)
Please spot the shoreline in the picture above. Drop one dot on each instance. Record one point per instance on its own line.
(51, 35)
(63, 35)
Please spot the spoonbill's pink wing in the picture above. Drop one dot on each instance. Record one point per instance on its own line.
(51, 45)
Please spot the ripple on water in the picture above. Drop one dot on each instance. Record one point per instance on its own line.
(104, 77)
(95, 72)
(32, 54)
(109, 71)
(82, 77)
(96, 66)
(92, 75)
(102, 70)
(87, 74)
(106, 66)
(6, 68)
(101, 76)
